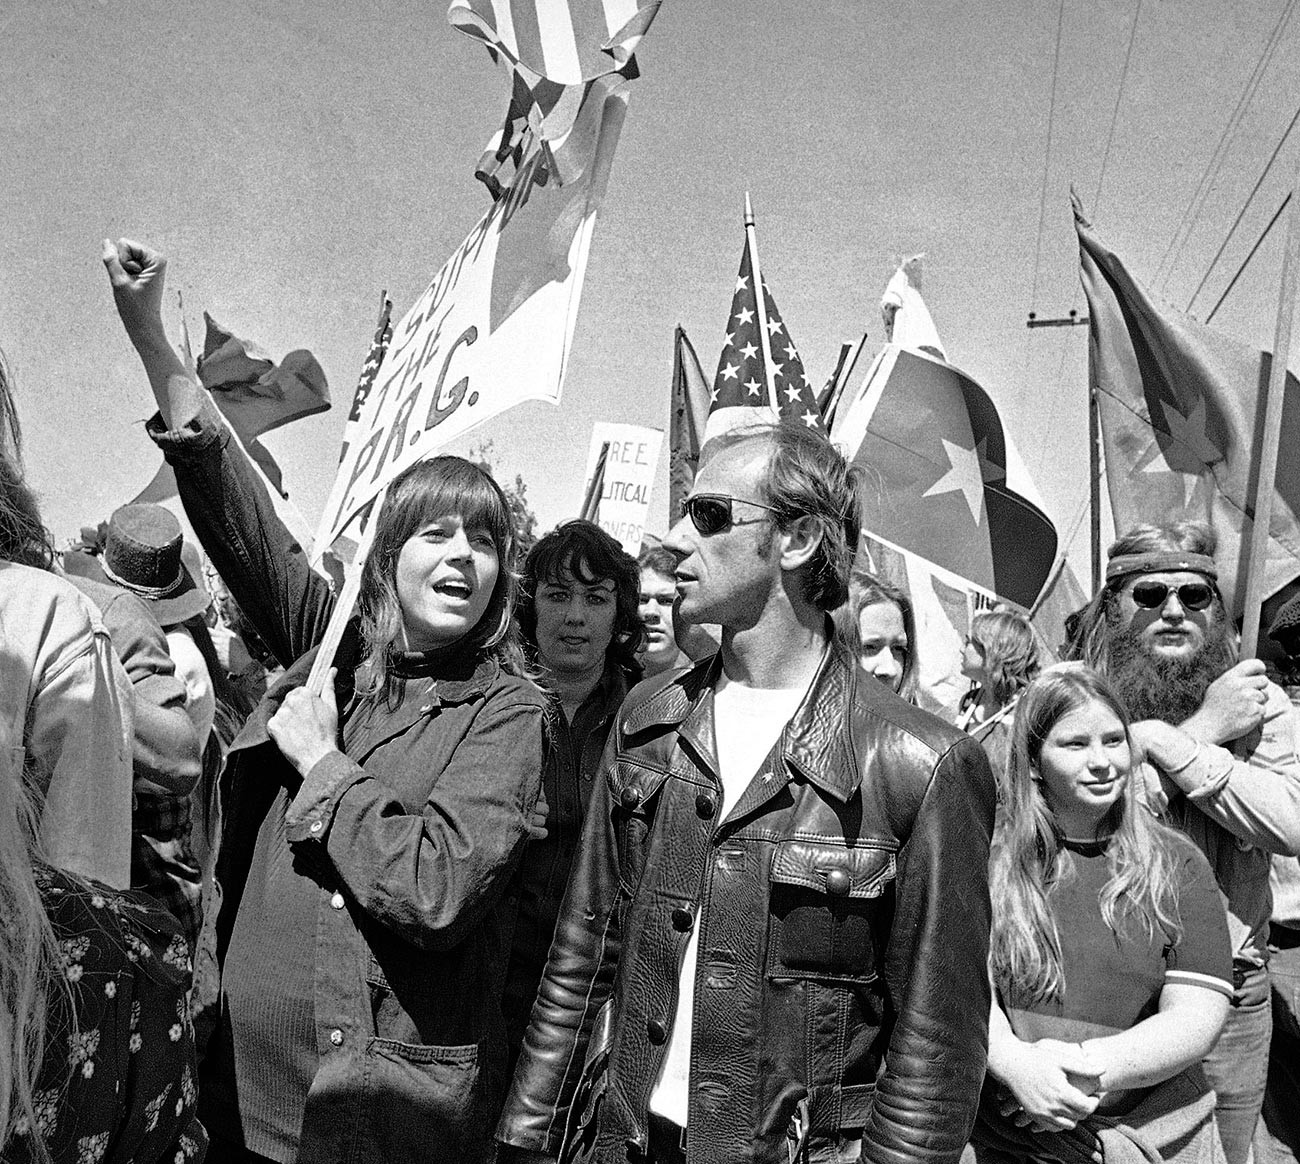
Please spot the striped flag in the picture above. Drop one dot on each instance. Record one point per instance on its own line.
(760, 375)
(369, 370)
(554, 50)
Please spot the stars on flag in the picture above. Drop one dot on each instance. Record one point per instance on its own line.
(968, 469)
(1190, 453)
(742, 379)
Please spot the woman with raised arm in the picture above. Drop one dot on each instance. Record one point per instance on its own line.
(370, 834)
(1108, 951)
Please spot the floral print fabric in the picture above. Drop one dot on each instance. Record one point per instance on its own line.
(117, 1083)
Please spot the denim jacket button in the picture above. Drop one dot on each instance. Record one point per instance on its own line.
(838, 882)
(336, 1037)
(316, 826)
(657, 1031)
(337, 900)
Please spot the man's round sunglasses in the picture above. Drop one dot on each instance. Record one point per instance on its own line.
(1191, 595)
(710, 513)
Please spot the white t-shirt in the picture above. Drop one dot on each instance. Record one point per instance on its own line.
(747, 721)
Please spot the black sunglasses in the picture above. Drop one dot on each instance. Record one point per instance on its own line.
(1191, 595)
(710, 513)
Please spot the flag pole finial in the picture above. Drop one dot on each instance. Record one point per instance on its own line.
(749, 210)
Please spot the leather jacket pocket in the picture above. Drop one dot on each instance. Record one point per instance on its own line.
(830, 907)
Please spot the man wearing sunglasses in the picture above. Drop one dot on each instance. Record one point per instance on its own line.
(774, 943)
(1221, 749)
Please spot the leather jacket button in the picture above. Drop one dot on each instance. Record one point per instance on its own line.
(838, 882)
(657, 1031)
(630, 797)
(705, 805)
(682, 919)
(336, 1037)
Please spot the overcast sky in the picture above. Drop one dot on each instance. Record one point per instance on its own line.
(293, 159)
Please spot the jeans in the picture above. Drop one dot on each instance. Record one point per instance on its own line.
(1277, 1137)
(1238, 1065)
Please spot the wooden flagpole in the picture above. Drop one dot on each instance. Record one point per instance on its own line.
(1271, 435)
(764, 336)
(1094, 486)
(595, 487)
(344, 604)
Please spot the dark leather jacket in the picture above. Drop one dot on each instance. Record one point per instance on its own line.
(841, 988)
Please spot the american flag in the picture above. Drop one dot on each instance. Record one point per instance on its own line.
(760, 375)
(554, 50)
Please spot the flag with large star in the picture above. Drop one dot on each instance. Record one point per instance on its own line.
(760, 375)
(935, 458)
(1180, 406)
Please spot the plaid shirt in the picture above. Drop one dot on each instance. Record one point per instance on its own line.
(162, 864)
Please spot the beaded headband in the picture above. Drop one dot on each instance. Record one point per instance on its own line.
(1158, 561)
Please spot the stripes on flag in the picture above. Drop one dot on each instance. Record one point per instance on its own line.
(554, 51)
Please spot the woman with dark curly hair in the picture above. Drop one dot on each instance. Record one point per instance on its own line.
(581, 626)
(370, 833)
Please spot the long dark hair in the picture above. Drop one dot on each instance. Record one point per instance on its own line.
(868, 590)
(428, 490)
(23, 536)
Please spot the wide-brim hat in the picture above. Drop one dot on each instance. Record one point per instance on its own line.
(142, 554)
(1286, 624)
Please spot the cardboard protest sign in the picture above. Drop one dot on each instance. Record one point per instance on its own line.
(494, 327)
(630, 467)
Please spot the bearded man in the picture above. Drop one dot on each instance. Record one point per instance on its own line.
(1220, 746)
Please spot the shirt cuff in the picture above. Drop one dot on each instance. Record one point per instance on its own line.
(1208, 773)
(311, 812)
(206, 432)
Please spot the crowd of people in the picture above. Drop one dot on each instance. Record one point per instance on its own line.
(580, 856)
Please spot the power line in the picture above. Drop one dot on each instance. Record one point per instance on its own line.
(1258, 243)
(1242, 213)
(1201, 194)
(1114, 117)
(1047, 155)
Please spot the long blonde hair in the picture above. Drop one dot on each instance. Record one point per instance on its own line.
(29, 951)
(1027, 862)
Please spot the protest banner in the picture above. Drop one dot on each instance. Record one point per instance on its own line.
(492, 329)
(629, 472)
